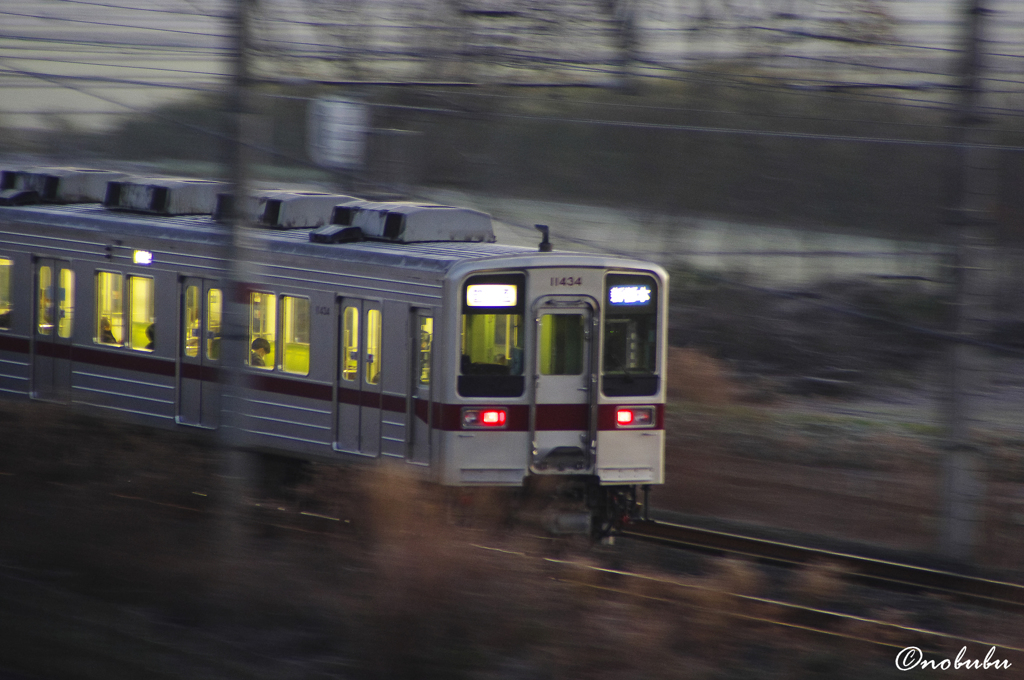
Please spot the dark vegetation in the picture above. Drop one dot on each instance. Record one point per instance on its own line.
(119, 562)
(833, 338)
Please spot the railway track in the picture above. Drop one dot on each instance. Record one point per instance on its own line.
(866, 570)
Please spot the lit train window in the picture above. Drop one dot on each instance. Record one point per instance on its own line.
(350, 343)
(5, 293)
(214, 307)
(423, 354)
(492, 336)
(141, 313)
(561, 344)
(295, 335)
(192, 330)
(109, 322)
(65, 302)
(373, 346)
(45, 300)
(262, 330)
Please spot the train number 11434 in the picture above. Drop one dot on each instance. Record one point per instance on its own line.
(566, 281)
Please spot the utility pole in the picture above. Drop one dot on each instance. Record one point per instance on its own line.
(971, 216)
(235, 464)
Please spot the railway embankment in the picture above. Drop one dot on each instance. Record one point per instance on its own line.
(116, 563)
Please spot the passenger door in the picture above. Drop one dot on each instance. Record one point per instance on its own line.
(360, 374)
(199, 353)
(562, 417)
(53, 326)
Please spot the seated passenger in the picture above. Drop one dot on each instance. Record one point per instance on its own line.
(149, 336)
(260, 349)
(106, 333)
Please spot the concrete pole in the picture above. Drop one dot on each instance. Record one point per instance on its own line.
(236, 466)
(973, 188)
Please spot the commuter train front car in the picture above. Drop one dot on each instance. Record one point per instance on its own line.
(398, 332)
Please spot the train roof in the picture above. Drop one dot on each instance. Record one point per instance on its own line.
(437, 256)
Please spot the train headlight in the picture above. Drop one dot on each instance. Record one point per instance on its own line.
(634, 416)
(474, 418)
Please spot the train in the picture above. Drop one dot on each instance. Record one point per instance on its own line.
(396, 332)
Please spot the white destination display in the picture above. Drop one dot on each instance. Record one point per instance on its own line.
(491, 295)
(629, 295)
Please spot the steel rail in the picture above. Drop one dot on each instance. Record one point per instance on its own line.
(867, 570)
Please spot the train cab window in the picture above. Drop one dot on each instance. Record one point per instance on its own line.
(65, 302)
(109, 321)
(262, 330)
(192, 330)
(630, 335)
(423, 353)
(492, 336)
(141, 313)
(373, 346)
(295, 335)
(561, 344)
(350, 344)
(6, 266)
(214, 308)
(44, 316)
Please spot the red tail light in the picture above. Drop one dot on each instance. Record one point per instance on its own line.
(484, 418)
(634, 416)
(493, 417)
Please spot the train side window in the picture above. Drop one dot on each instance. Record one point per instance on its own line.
(561, 344)
(65, 302)
(141, 313)
(423, 353)
(6, 266)
(373, 346)
(262, 329)
(44, 324)
(109, 322)
(295, 335)
(350, 343)
(5, 293)
(213, 316)
(192, 330)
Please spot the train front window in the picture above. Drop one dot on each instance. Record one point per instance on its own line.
(561, 344)
(492, 336)
(630, 336)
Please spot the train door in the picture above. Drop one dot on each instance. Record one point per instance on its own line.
(360, 369)
(563, 418)
(199, 353)
(422, 406)
(54, 321)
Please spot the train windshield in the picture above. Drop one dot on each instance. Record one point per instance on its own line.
(630, 336)
(492, 336)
